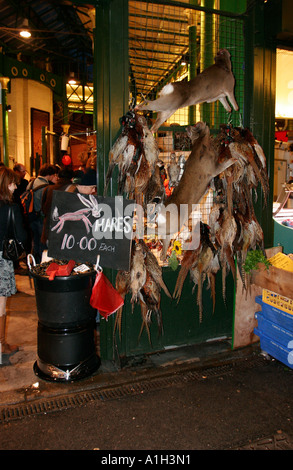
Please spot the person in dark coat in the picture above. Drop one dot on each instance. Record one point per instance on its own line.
(8, 184)
(48, 174)
(20, 171)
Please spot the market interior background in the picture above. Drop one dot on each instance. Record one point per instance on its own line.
(119, 53)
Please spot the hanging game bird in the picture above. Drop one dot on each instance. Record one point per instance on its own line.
(144, 282)
(233, 221)
(125, 149)
(200, 263)
(138, 271)
(135, 153)
(234, 229)
(155, 193)
(122, 285)
(150, 298)
(173, 170)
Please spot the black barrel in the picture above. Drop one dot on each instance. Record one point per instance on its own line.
(65, 301)
(66, 327)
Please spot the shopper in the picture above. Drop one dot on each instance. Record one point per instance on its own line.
(20, 171)
(8, 180)
(22, 183)
(48, 174)
(87, 183)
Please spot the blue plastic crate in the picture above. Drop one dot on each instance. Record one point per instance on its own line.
(275, 349)
(275, 315)
(274, 331)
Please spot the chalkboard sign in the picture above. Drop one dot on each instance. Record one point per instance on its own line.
(85, 226)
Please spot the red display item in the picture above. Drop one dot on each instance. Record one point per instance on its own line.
(104, 296)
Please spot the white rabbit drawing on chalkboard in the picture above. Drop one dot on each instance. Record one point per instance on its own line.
(92, 204)
(81, 214)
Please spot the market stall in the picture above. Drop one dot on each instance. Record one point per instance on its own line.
(194, 316)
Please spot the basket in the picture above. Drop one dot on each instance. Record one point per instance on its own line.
(275, 300)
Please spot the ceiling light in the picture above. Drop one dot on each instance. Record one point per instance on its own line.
(184, 60)
(25, 33)
(72, 80)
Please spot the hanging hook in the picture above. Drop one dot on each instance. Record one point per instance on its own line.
(132, 103)
(240, 120)
(229, 119)
(30, 259)
(98, 268)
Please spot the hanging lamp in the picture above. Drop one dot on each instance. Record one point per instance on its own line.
(25, 32)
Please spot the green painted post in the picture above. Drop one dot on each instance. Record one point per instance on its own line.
(207, 57)
(192, 57)
(5, 129)
(3, 85)
(111, 56)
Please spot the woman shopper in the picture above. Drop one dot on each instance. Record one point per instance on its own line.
(8, 180)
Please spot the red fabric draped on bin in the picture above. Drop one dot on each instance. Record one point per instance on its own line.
(105, 297)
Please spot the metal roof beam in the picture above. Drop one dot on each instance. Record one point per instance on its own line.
(164, 43)
(160, 31)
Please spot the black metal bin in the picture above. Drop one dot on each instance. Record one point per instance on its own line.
(66, 327)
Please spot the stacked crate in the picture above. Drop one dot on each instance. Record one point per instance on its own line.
(275, 327)
(275, 324)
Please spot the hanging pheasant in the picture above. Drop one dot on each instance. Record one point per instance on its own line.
(135, 153)
(144, 283)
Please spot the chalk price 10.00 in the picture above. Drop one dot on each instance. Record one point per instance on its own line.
(90, 244)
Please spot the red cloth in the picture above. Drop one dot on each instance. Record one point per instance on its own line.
(105, 297)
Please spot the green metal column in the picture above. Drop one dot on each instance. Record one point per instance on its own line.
(3, 86)
(192, 57)
(95, 78)
(111, 85)
(111, 56)
(207, 55)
